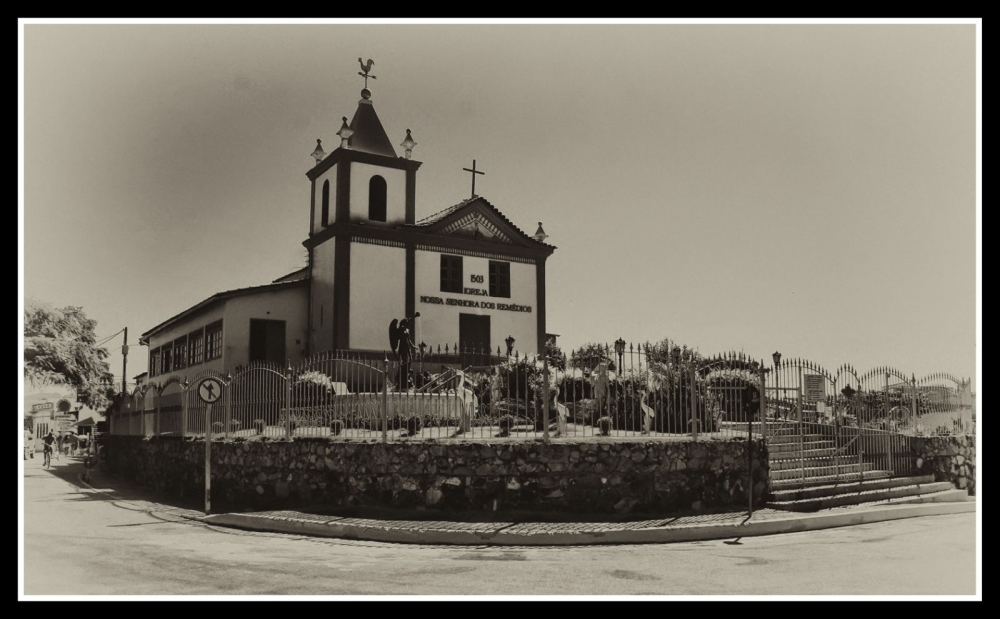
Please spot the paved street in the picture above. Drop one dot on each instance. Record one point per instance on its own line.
(80, 541)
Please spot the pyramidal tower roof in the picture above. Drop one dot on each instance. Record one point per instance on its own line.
(369, 136)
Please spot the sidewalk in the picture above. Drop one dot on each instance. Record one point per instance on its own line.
(665, 530)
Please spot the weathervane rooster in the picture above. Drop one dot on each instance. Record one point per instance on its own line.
(365, 69)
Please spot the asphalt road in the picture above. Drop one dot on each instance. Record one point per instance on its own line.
(79, 541)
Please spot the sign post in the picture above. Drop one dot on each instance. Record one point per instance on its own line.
(209, 391)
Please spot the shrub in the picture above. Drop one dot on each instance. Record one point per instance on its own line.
(336, 427)
(604, 424)
(235, 425)
(506, 423)
(413, 425)
(259, 425)
(218, 427)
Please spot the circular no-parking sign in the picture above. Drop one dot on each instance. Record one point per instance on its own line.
(210, 390)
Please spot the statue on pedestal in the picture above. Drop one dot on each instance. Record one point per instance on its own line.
(403, 347)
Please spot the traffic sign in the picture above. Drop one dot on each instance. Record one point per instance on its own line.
(210, 390)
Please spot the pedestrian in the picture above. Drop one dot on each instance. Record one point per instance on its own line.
(59, 445)
(49, 444)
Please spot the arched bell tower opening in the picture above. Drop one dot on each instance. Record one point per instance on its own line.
(377, 198)
(326, 203)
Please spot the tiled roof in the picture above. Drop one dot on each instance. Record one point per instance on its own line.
(219, 296)
(436, 217)
(294, 276)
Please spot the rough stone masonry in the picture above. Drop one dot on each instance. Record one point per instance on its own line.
(949, 458)
(595, 476)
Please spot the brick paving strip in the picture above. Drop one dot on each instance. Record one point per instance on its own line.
(439, 532)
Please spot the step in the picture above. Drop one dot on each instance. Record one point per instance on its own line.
(867, 496)
(809, 482)
(805, 454)
(809, 463)
(818, 471)
(954, 495)
(781, 448)
(794, 438)
(794, 494)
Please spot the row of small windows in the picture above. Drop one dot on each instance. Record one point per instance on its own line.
(377, 192)
(452, 281)
(202, 345)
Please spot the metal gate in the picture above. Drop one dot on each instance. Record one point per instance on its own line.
(835, 427)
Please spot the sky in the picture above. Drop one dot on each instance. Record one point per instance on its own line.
(802, 188)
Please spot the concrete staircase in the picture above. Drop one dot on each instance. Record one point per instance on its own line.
(814, 479)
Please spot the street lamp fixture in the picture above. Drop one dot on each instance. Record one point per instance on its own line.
(776, 357)
(510, 344)
(620, 351)
(422, 347)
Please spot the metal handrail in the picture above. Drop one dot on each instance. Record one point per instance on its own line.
(438, 382)
(841, 449)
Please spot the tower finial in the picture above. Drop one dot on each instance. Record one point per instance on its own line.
(540, 235)
(345, 133)
(408, 144)
(319, 154)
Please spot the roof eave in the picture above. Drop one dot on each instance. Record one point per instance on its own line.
(217, 297)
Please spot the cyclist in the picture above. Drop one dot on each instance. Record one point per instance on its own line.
(49, 441)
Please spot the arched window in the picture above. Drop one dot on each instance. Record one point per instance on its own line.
(326, 203)
(376, 199)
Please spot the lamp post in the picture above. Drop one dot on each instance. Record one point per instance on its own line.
(620, 351)
(776, 357)
(510, 344)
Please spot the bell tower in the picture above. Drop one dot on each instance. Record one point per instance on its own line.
(361, 185)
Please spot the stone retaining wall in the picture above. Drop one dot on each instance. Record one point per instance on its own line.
(949, 458)
(596, 476)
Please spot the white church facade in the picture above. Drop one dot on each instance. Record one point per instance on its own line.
(475, 278)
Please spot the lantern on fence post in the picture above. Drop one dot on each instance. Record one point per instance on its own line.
(510, 344)
(620, 351)
(776, 357)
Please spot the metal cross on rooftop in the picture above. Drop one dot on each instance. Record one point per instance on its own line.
(365, 68)
(474, 171)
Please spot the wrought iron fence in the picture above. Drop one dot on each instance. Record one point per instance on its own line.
(623, 391)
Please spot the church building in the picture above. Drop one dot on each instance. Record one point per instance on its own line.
(475, 278)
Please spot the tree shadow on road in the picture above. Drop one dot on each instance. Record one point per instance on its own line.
(103, 486)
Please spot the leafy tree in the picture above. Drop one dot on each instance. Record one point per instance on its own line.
(669, 352)
(60, 348)
(589, 356)
(555, 355)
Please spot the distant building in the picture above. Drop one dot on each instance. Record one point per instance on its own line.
(54, 410)
(476, 279)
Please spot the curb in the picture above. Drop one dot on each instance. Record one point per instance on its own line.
(438, 534)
